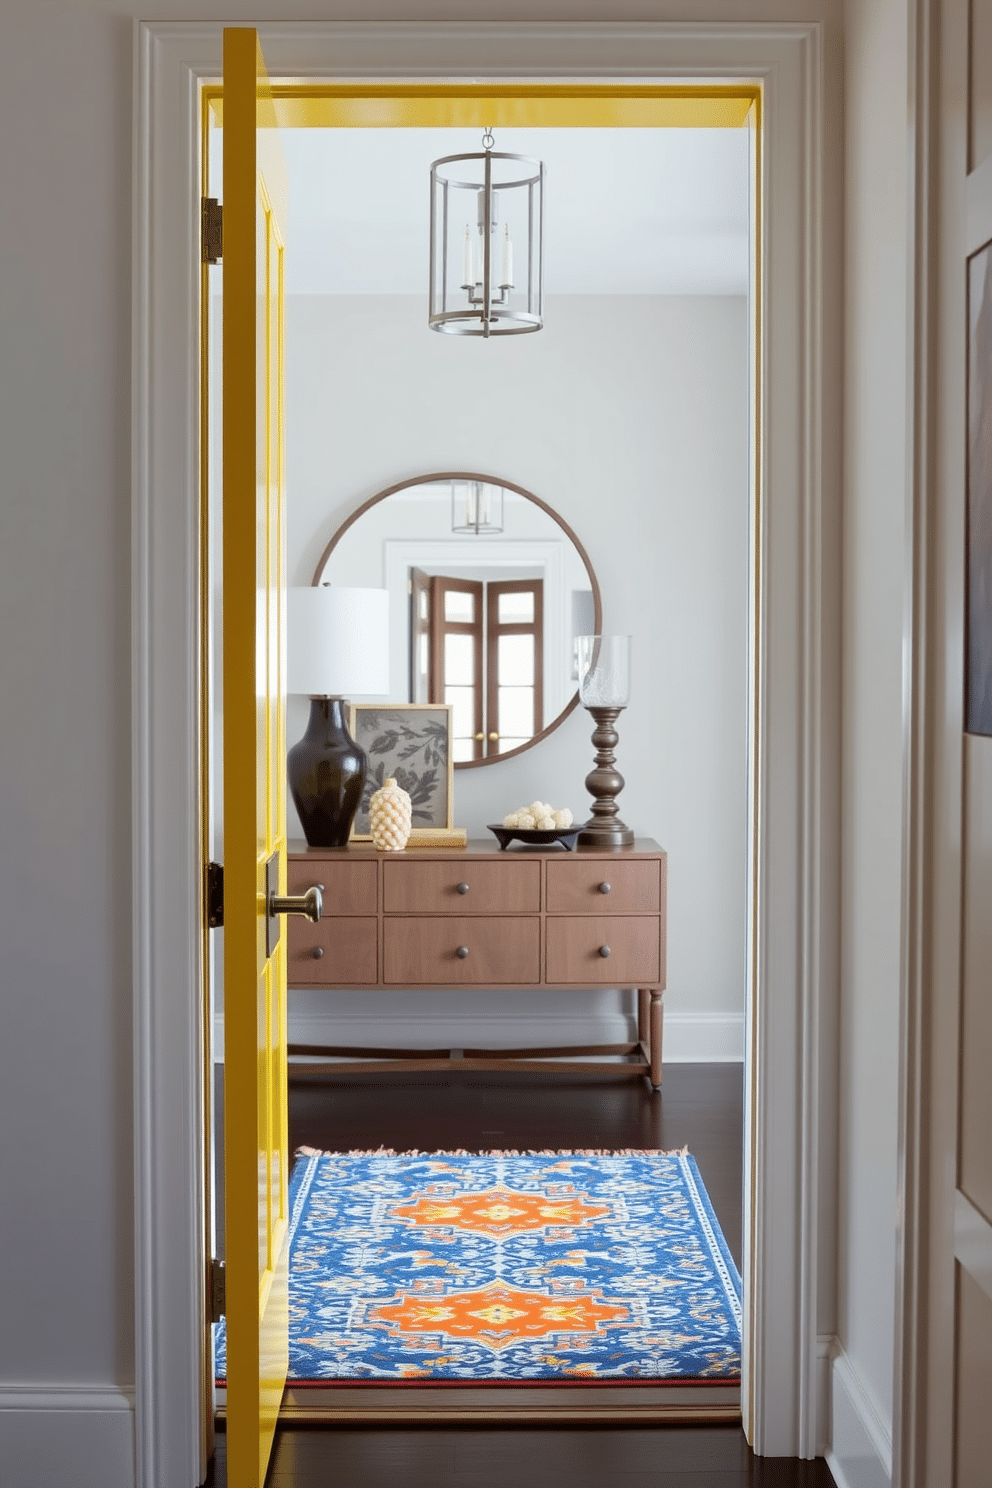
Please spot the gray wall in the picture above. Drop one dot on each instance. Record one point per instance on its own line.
(629, 416)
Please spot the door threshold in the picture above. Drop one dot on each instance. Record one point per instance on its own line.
(551, 1404)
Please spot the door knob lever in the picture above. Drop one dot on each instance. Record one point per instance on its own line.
(310, 904)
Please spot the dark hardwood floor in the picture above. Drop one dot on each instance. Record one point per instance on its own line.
(527, 1457)
(699, 1106)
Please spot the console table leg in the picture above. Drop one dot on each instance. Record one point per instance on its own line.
(657, 1025)
(643, 1016)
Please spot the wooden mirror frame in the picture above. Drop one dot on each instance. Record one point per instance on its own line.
(436, 478)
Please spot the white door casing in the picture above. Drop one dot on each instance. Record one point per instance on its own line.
(944, 1275)
(794, 743)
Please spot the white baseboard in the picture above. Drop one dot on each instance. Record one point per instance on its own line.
(704, 1038)
(81, 1435)
(860, 1451)
(826, 1348)
(690, 1038)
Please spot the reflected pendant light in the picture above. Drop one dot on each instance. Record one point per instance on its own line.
(487, 244)
(476, 507)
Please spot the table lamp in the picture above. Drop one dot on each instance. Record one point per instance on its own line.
(337, 646)
(603, 664)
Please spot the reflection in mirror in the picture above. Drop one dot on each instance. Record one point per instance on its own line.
(484, 618)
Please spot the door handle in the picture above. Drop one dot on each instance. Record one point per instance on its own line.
(310, 904)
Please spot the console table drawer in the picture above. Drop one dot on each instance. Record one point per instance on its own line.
(576, 945)
(440, 887)
(349, 888)
(425, 951)
(339, 949)
(577, 887)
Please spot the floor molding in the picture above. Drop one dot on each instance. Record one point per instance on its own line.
(78, 1434)
(826, 1348)
(860, 1450)
(703, 1038)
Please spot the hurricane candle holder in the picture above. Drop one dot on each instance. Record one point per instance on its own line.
(604, 689)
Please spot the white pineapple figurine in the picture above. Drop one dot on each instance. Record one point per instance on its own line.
(390, 817)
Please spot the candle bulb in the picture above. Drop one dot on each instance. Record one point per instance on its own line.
(506, 277)
(468, 268)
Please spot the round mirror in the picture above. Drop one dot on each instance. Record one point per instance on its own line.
(488, 589)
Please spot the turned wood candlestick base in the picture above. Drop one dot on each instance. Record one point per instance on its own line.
(604, 828)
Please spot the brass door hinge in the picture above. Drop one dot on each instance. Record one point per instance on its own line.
(215, 895)
(216, 1290)
(211, 230)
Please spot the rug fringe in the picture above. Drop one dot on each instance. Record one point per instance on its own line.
(498, 1152)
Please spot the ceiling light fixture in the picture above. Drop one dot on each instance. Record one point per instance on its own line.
(476, 507)
(487, 243)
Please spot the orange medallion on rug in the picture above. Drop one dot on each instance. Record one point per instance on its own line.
(498, 1315)
(501, 1212)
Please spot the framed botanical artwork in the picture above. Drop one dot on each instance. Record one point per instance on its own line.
(412, 743)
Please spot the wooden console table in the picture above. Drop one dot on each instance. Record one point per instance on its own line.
(480, 918)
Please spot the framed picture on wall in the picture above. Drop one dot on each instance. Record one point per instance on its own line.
(412, 743)
(978, 644)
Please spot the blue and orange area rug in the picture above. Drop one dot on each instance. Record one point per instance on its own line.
(507, 1268)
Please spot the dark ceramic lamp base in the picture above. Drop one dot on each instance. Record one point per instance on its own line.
(604, 828)
(326, 772)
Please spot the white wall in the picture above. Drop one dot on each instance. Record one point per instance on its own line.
(629, 416)
(874, 525)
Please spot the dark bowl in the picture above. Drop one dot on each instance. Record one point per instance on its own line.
(536, 836)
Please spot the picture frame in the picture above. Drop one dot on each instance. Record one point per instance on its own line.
(412, 743)
(978, 581)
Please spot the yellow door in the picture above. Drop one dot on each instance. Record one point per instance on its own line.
(255, 1128)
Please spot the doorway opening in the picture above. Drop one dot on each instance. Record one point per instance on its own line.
(603, 334)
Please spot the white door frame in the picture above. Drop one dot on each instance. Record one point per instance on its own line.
(794, 772)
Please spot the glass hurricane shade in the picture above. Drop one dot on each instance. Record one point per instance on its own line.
(338, 643)
(603, 664)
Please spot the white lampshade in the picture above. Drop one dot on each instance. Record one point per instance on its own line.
(337, 641)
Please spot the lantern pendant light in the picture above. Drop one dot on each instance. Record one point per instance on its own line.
(487, 243)
(476, 507)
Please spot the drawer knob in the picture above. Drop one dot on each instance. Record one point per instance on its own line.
(605, 888)
(317, 952)
(462, 952)
(462, 888)
(604, 951)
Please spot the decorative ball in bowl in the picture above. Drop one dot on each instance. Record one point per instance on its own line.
(537, 825)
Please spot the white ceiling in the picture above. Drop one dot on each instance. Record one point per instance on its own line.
(628, 211)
